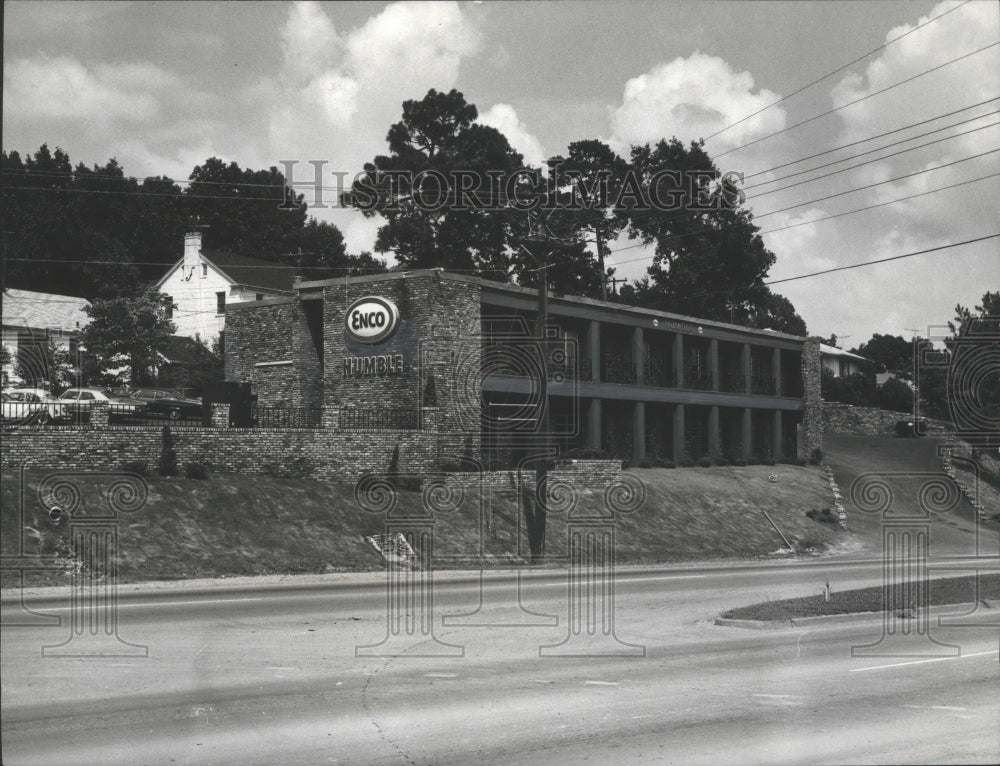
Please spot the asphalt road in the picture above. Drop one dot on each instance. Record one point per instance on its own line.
(251, 675)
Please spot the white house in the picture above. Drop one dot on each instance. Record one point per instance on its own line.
(31, 321)
(839, 362)
(202, 283)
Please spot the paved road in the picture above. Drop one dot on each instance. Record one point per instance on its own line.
(907, 466)
(270, 676)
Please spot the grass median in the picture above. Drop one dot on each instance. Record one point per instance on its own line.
(951, 590)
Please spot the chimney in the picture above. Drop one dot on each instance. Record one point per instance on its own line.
(192, 250)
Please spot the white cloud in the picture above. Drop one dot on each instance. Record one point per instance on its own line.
(692, 98)
(504, 118)
(62, 88)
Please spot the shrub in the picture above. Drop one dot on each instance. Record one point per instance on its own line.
(753, 460)
(904, 428)
(740, 462)
(167, 465)
(687, 463)
(825, 515)
(659, 462)
(646, 463)
(769, 461)
(705, 462)
(816, 456)
(136, 466)
(723, 461)
(195, 470)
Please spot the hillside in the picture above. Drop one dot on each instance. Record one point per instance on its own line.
(238, 525)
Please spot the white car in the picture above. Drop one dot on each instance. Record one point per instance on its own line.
(14, 411)
(52, 408)
(79, 400)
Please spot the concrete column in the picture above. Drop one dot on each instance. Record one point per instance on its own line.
(595, 423)
(746, 435)
(639, 356)
(714, 437)
(776, 370)
(713, 363)
(678, 433)
(639, 430)
(678, 360)
(747, 369)
(776, 435)
(594, 349)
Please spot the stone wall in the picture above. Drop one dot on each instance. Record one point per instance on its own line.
(811, 436)
(839, 418)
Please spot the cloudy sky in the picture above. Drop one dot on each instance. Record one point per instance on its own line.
(161, 86)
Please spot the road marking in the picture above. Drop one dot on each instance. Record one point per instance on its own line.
(440, 675)
(278, 667)
(541, 681)
(774, 696)
(120, 605)
(602, 683)
(937, 707)
(921, 662)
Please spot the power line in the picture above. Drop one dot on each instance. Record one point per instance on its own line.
(859, 165)
(883, 260)
(878, 183)
(858, 100)
(823, 218)
(836, 71)
(887, 133)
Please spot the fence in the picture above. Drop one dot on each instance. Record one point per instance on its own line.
(262, 416)
(378, 419)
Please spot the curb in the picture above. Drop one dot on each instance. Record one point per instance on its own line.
(839, 619)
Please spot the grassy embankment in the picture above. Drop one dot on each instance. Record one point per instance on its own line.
(239, 525)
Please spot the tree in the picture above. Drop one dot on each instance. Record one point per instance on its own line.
(429, 220)
(889, 353)
(127, 332)
(587, 184)
(710, 260)
(98, 233)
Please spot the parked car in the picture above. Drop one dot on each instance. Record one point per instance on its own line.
(169, 402)
(51, 409)
(14, 411)
(78, 402)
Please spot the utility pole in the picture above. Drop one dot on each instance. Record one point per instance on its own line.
(614, 284)
(536, 530)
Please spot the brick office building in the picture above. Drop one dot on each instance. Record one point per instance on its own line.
(431, 350)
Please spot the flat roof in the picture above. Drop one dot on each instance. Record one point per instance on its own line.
(517, 290)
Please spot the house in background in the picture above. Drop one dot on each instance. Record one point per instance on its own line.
(31, 322)
(204, 282)
(838, 362)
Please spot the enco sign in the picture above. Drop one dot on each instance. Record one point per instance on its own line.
(371, 320)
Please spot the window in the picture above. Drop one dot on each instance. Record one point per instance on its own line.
(220, 303)
(168, 305)
(260, 296)
(204, 270)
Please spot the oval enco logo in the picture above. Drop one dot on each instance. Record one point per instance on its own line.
(371, 319)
